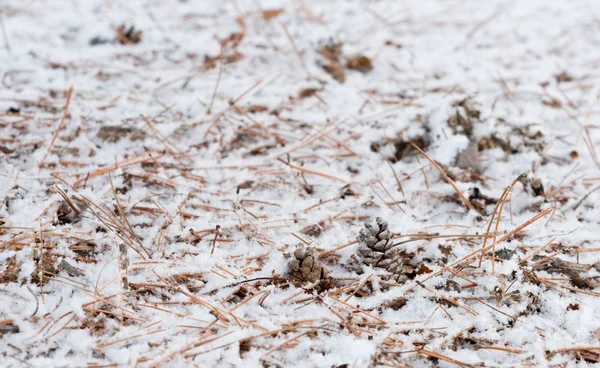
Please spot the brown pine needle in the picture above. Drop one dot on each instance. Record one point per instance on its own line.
(60, 125)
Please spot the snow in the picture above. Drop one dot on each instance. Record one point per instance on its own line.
(233, 145)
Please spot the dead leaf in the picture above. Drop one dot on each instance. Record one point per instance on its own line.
(11, 272)
(6, 150)
(242, 23)
(423, 269)
(361, 63)
(563, 77)
(115, 133)
(446, 250)
(308, 92)
(244, 347)
(256, 108)
(232, 40)
(396, 303)
(336, 71)
(7, 326)
(332, 51)
(127, 36)
(553, 102)
(269, 14)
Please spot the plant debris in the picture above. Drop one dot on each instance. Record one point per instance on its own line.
(360, 63)
(191, 187)
(377, 249)
(332, 52)
(269, 14)
(465, 117)
(307, 267)
(113, 134)
(127, 35)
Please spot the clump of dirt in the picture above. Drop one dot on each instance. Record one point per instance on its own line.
(11, 271)
(404, 148)
(397, 303)
(45, 267)
(517, 140)
(465, 117)
(314, 230)
(65, 214)
(84, 248)
(70, 269)
(333, 55)
(401, 146)
(114, 134)
(564, 77)
(479, 200)
(238, 295)
(491, 142)
(8, 326)
(123, 35)
(229, 51)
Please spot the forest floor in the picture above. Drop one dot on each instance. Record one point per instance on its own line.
(162, 161)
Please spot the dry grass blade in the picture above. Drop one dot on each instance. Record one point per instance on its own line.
(497, 210)
(482, 250)
(439, 168)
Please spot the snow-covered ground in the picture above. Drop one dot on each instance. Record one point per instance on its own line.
(154, 185)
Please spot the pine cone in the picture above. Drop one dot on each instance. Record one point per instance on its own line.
(377, 249)
(306, 267)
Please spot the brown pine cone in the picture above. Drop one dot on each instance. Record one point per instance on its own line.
(306, 267)
(377, 249)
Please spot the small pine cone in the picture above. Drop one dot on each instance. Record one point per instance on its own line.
(377, 249)
(307, 266)
(376, 244)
